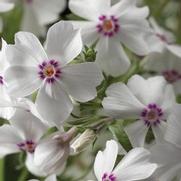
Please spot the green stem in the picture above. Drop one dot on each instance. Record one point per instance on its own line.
(2, 170)
(23, 176)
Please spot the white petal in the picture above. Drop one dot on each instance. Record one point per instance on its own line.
(88, 31)
(22, 81)
(135, 166)
(169, 161)
(9, 138)
(159, 131)
(51, 178)
(3, 61)
(137, 133)
(133, 39)
(111, 57)
(90, 10)
(134, 14)
(121, 103)
(30, 22)
(48, 11)
(64, 42)
(5, 6)
(122, 6)
(32, 43)
(175, 49)
(170, 173)
(148, 91)
(159, 62)
(104, 161)
(32, 167)
(6, 111)
(21, 55)
(27, 104)
(50, 155)
(169, 100)
(174, 125)
(30, 126)
(165, 154)
(55, 105)
(81, 80)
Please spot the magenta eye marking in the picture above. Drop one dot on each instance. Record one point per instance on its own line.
(49, 71)
(108, 25)
(152, 115)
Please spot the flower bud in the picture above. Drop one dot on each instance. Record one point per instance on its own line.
(51, 154)
(83, 141)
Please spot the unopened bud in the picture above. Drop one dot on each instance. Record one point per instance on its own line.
(84, 140)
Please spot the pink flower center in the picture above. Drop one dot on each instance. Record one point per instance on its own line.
(108, 177)
(108, 25)
(1, 80)
(171, 76)
(162, 37)
(49, 71)
(152, 115)
(28, 146)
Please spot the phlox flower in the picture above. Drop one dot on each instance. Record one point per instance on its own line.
(22, 134)
(112, 27)
(149, 101)
(53, 151)
(161, 39)
(135, 165)
(48, 71)
(167, 64)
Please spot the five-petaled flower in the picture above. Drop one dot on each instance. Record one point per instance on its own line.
(34, 68)
(108, 26)
(148, 101)
(135, 165)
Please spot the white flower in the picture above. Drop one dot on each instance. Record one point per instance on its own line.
(134, 166)
(149, 101)
(110, 25)
(168, 64)
(161, 39)
(38, 13)
(167, 154)
(52, 153)
(50, 178)
(5, 110)
(23, 134)
(32, 68)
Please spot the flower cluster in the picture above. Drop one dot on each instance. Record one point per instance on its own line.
(106, 75)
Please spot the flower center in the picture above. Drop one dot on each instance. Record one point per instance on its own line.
(1, 80)
(108, 25)
(49, 71)
(171, 76)
(162, 37)
(108, 177)
(152, 115)
(28, 146)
